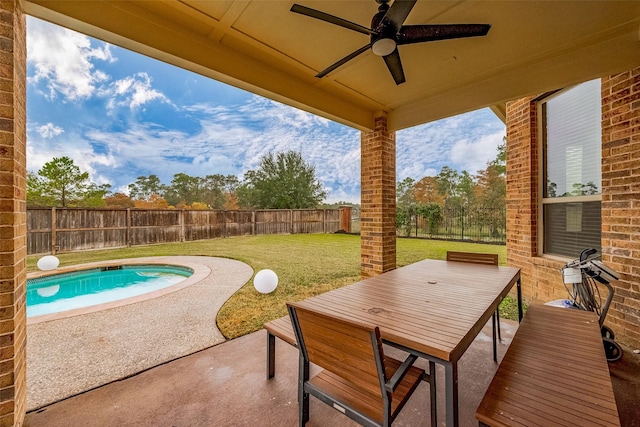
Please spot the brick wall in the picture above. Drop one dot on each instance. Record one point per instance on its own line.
(13, 228)
(378, 200)
(621, 198)
(541, 279)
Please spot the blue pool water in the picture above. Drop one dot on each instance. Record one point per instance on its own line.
(62, 292)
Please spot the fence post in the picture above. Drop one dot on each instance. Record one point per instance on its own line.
(128, 227)
(53, 231)
(324, 220)
(345, 218)
(224, 223)
(291, 221)
(253, 222)
(462, 223)
(181, 225)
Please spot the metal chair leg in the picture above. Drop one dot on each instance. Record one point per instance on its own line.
(303, 396)
(271, 355)
(495, 346)
(498, 323)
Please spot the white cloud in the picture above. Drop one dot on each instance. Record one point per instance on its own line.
(464, 142)
(78, 149)
(133, 91)
(62, 59)
(473, 155)
(49, 130)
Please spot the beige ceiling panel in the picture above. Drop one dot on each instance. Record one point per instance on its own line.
(215, 9)
(180, 15)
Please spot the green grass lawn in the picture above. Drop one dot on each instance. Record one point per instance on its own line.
(306, 264)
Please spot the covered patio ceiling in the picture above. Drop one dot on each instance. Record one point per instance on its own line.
(264, 48)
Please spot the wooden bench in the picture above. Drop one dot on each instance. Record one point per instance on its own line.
(555, 373)
(282, 329)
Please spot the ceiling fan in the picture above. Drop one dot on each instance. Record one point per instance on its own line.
(387, 32)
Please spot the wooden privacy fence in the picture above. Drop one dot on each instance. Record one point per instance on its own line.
(51, 230)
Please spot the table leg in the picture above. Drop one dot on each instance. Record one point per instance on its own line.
(432, 393)
(451, 393)
(519, 290)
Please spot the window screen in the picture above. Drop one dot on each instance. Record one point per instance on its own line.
(571, 227)
(572, 138)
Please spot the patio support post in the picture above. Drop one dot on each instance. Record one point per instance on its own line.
(13, 214)
(378, 199)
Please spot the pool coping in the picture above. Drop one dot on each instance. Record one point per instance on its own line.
(200, 272)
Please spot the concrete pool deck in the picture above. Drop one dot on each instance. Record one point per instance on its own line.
(70, 355)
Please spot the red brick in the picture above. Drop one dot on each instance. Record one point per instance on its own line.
(620, 205)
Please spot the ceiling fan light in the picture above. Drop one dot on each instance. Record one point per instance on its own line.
(383, 47)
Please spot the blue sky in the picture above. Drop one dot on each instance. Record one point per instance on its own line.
(120, 115)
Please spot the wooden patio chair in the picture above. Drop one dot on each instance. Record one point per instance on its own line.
(488, 259)
(357, 378)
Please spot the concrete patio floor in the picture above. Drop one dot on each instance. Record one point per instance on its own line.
(225, 385)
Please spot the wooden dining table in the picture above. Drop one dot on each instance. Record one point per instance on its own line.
(433, 309)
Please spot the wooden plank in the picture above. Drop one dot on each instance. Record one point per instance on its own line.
(282, 329)
(555, 373)
(474, 257)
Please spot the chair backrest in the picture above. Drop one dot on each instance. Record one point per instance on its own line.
(476, 258)
(350, 350)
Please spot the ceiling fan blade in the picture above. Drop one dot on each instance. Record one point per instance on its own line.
(399, 11)
(395, 66)
(425, 33)
(343, 61)
(303, 10)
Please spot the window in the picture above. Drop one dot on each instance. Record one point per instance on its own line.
(571, 129)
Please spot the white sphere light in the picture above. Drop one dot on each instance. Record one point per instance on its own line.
(265, 281)
(48, 262)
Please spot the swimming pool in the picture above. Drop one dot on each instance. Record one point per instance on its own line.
(85, 288)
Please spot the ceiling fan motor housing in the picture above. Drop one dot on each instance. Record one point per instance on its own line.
(383, 43)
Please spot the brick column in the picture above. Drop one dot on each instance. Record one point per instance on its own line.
(378, 200)
(522, 190)
(13, 228)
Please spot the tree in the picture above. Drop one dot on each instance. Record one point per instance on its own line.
(145, 187)
(466, 189)
(491, 189)
(37, 196)
(500, 162)
(154, 202)
(184, 189)
(491, 192)
(405, 205)
(432, 212)
(199, 206)
(218, 191)
(426, 191)
(119, 201)
(95, 195)
(448, 180)
(282, 181)
(62, 183)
